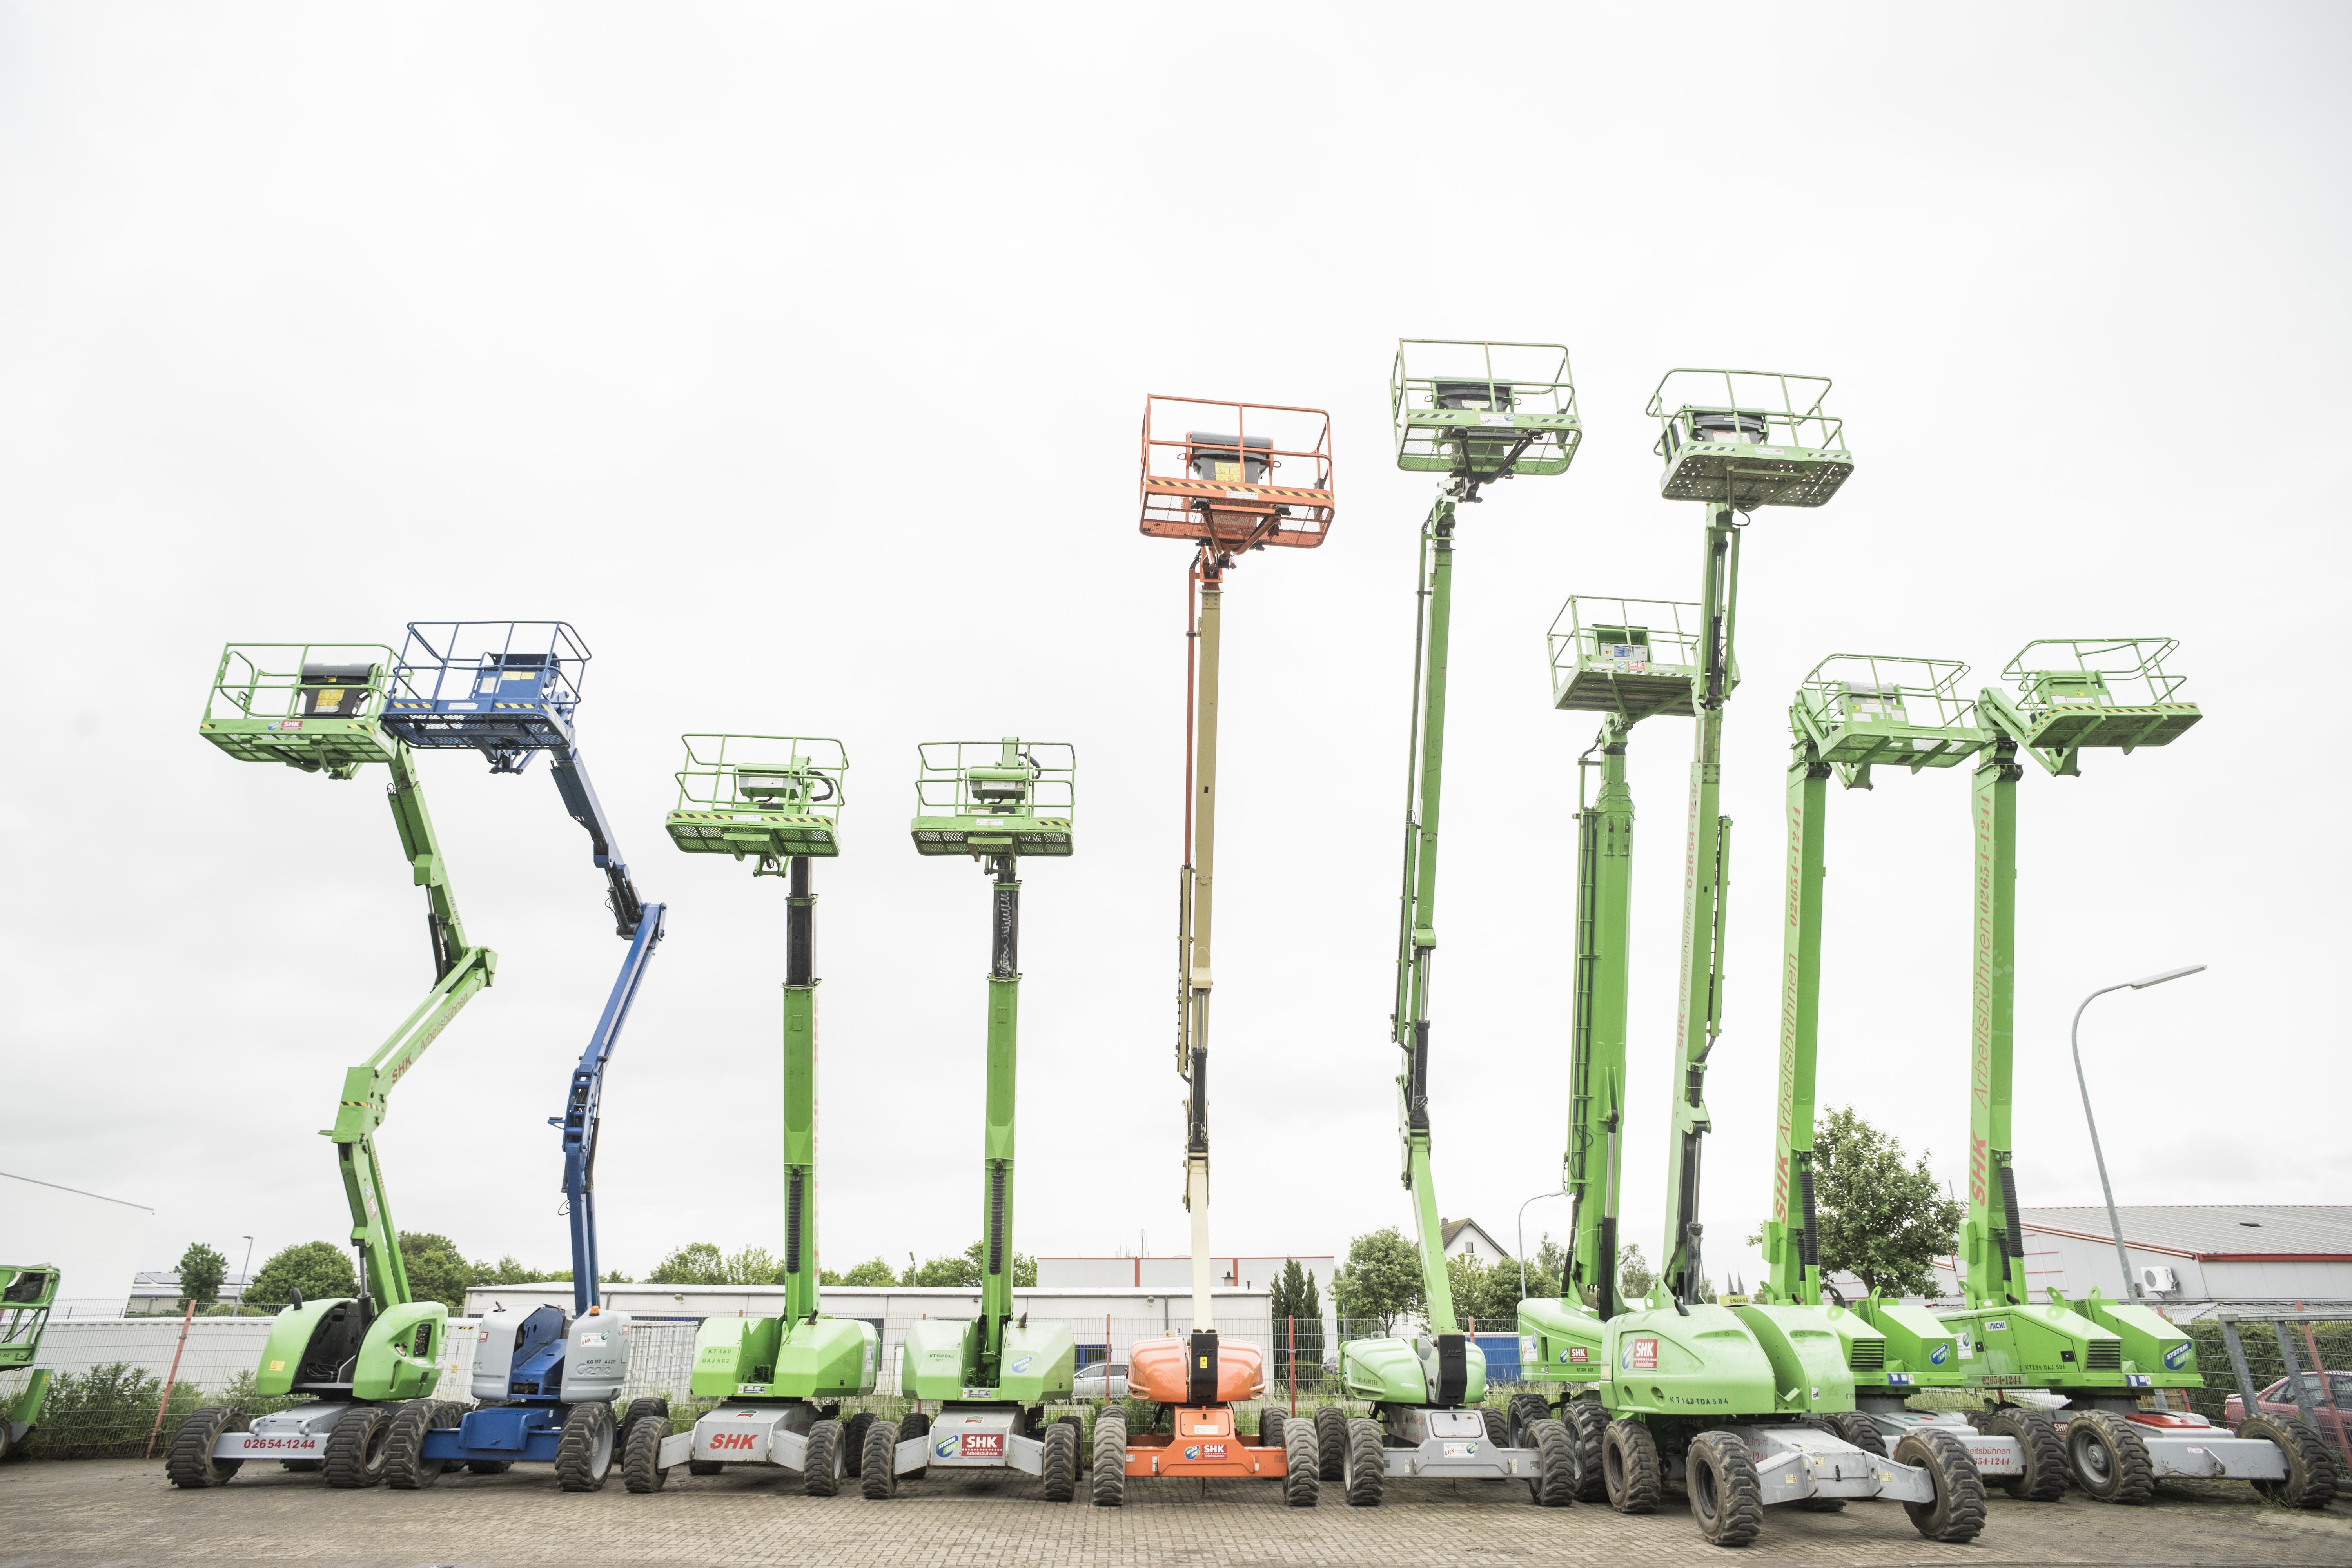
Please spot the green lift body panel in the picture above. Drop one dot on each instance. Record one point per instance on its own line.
(318, 708)
(27, 1292)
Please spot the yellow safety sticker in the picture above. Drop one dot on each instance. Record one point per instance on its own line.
(330, 696)
(278, 1366)
(1228, 473)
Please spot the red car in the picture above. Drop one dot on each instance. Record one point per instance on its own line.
(2278, 1399)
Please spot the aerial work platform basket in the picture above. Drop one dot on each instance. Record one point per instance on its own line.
(505, 689)
(1633, 657)
(2106, 692)
(765, 797)
(1748, 439)
(1483, 411)
(1235, 476)
(985, 798)
(314, 706)
(1861, 709)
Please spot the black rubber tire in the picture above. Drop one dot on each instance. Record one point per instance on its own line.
(2045, 1476)
(583, 1454)
(2108, 1458)
(1727, 1498)
(705, 1467)
(1559, 1469)
(1367, 1466)
(853, 1442)
(1632, 1476)
(1526, 1410)
(877, 1474)
(1269, 1428)
(1859, 1430)
(1109, 1478)
(1331, 1443)
(2311, 1480)
(489, 1467)
(919, 1425)
(1586, 1419)
(823, 1464)
(1057, 1467)
(635, 1411)
(1957, 1513)
(189, 1461)
(405, 1467)
(1498, 1430)
(356, 1447)
(641, 1467)
(1302, 1471)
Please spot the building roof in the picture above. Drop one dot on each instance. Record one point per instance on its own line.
(1447, 1229)
(2214, 1231)
(166, 1282)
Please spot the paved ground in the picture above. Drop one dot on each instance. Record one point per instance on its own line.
(121, 1511)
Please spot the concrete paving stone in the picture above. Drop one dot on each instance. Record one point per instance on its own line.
(122, 1511)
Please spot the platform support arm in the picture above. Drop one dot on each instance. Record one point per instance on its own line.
(1791, 1231)
(584, 1108)
(1198, 911)
(1590, 1172)
(1003, 1036)
(580, 799)
(1992, 1246)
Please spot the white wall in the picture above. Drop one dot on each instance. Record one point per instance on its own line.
(95, 1242)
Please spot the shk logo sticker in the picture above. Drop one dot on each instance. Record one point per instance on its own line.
(1641, 1356)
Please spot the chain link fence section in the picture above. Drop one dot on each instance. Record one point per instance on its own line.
(2285, 1363)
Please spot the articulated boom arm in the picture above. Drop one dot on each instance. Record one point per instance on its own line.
(1195, 908)
(1003, 1033)
(579, 800)
(1992, 1243)
(1793, 1248)
(1604, 860)
(1706, 881)
(801, 1272)
(462, 970)
(1417, 933)
(584, 1108)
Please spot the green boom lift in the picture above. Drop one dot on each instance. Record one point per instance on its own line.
(2121, 1368)
(1473, 413)
(26, 1293)
(1741, 1399)
(991, 1375)
(775, 801)
(319, 708)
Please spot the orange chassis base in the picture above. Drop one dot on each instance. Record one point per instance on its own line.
(1204, 1444)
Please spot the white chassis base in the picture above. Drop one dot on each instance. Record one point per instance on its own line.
(299, 1433)
(1998, 1458)
(744, 1435)
(1453, 1444)
(2203, 1453)
(1799, 1462)
(971, 1439)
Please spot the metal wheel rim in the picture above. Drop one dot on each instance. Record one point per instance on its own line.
(2092, 1455)
(1702, 1492)
(600, 1458)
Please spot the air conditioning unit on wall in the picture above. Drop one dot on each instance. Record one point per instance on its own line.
(2158, 1281)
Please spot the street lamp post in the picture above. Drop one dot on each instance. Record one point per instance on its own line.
(1523, 1237)
(2114, 1224)
(244, 1276)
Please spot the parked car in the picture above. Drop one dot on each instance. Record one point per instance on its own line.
(2278, 1399)
(1103, 1380)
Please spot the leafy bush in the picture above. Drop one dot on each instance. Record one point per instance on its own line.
(107, 1413)
(316, 1268)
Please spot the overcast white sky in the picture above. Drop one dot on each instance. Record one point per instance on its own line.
(795, 356)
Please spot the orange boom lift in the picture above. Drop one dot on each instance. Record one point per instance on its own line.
(1227, 477)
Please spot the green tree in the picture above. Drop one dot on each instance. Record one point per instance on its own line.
(201, 1272)
(1634, 1274)
(437, 1272)
(1547, 1268)
(1296, 1306)
(315, 1269)
(696, 1263)
(872, 1271)
(1883, 1220)
(1381, 1281)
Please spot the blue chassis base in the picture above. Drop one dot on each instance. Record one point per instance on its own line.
(525, 1434)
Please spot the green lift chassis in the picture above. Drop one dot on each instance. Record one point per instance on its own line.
(991, 1375)
(1752, 1403)
(775, 801)
(1476, 412)
(318, 708)
(26, 1293)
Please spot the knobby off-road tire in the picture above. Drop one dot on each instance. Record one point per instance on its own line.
(1957, 1513)
(1109, 1479)
(1367, 1463)
(189, 1461)
(1269, 1428)
(641, 1467)
(1559, 1469)
(2107, 1457)
(1726, 1497)
(1302, 1468)
(2044, 1479)
(1331, 1443)
(919, 1425)
(635, 1411)
(1859, 1430)
(853, 1442)
(583, 1454)
(356, 1447)
(1586, 1420)
(1632, 1475)
(1527, 1409)
(822, 1462)
(1057, 1467)
(1498, 1430)
(877, 1470)
(2311, 1480)
(405, 1467)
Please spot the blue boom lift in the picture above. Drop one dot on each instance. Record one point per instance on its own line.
(545, 1381)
